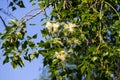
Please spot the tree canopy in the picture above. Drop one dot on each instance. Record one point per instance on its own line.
(82, 39)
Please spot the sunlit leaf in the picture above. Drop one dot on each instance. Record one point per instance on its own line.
(14, 64)
(94, 58)
(83, 69)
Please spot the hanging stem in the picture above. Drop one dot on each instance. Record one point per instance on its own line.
(113, 9)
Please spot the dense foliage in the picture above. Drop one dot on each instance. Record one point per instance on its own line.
(82, 39)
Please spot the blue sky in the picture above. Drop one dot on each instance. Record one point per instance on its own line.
(31, 70)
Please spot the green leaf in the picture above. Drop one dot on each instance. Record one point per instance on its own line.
(32, 56)
(21, 4)
(6, 60)
(31, 0)
(118, 49)
(14, 22)
(89, 74)
(44, 32)
(11, 4)
(13, 8)
(24, 45)
(92, 48)
(31, 44)
(33, 3)
(92, 65)
(5, 35)
(43, 52)
(82, 36)
(14, 64)
(83, 69)
(0, 33)
(26, 58)
(94, 58)
(19, 35)
(61, 4)
(41, 44)
(53, 13)
(32, 24)
(105, 54)
(29, 37)
(36, 54)
(55, 61)
(56, 72)
(34, 36)
(41, 5)
(9, 28)
(117, 22)
(20, 62)
(15, 0)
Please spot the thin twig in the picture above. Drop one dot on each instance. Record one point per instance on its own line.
(8, 14)
(100, 28)
(3, 22)
(113, 9)
(101, 10)
(30, 12)
(33, 16)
